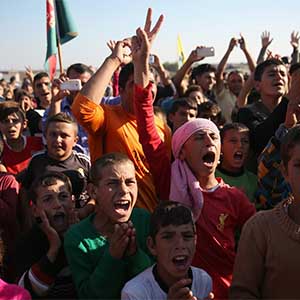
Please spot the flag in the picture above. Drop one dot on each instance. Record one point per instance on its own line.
(180, 51)
(66, 26)
(50, 63)
(59, 21)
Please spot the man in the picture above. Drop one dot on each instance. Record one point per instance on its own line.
(114, 128)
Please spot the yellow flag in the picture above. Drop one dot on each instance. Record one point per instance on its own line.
(180, 51)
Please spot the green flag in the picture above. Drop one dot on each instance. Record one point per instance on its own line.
(66, 26)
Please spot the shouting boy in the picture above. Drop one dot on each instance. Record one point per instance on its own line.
(172, 241)
(112, 241)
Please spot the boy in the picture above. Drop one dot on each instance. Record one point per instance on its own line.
(235, 149)
(41, 261)
(219, 209)
(61, 137)
(182, 110)
(18, 149)
(108, 248)
(172, 240)
(267, 261)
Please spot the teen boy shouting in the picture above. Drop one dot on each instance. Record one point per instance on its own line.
(172, 241)
(112, 241)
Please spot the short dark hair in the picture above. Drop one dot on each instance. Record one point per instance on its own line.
(289, 142)
(201, 69)
(259, 70)
(105, 160)
(211, 110)
(11, 107)
(61, 117)
(124, 75)
(39, 76)
(183, 102)
(48, 179)
(79, 68)
(20, 93)
(236, 126)
(170, 213)
(294, 68)
(193, 88)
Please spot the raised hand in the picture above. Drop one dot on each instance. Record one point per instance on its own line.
(265, 39)
(242, 42)
(147, 28)
(52, 235)
(57, 92)
(295, 39)
(180, 290)
(29, 73)
(233, 42)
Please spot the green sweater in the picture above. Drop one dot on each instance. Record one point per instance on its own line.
(245, 181)
(96, 273)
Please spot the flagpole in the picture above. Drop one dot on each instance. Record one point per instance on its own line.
(59, 51)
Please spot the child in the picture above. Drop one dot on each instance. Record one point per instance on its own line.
(267, 261)
(41, 261)
(172, 240)
(18, 149)
(212, 111)
(235, 149)
(61, 137)
(182, 110)
(108, 248)
(219, 209)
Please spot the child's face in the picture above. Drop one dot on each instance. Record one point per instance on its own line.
(181, 116)
(12, 127)
(25, 103)
(56, 201)
(174, 248)
(202, 152)
(235, 149)
(116, 192)
(61, 139)
(274, 81)
(292, 172)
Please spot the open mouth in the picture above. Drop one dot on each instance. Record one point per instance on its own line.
(238, 156)
(181, 261)
(209, 158)
(122, 205)
(59, 219)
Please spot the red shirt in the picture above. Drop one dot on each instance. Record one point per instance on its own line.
(15, 162)
(225, 210)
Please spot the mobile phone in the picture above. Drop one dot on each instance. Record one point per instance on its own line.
(206, 51)
(151, 59)
(71, 85)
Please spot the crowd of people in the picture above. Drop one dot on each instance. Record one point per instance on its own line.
(147, 185)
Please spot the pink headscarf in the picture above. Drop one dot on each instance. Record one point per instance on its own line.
(185, 188)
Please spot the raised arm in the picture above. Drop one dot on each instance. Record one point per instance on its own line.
(185, 68)
(246, 89)
(295, 44)
(250, 60)
(95, 88)
(222, 65)
(154, 148)
(265, 43)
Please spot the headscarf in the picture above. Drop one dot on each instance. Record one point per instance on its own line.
(185, 188)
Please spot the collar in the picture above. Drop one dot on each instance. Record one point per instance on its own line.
(163, 285)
